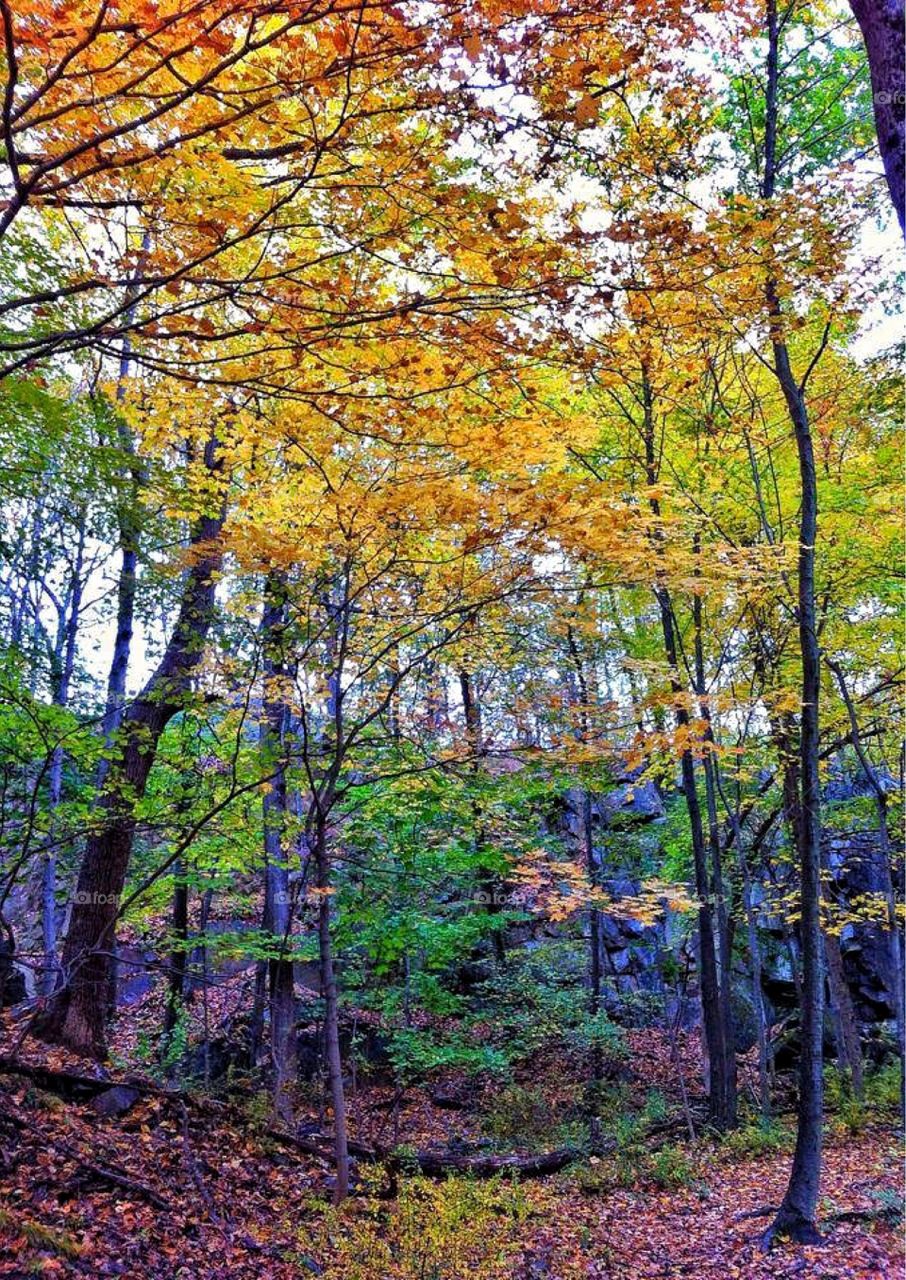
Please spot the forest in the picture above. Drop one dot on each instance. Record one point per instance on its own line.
(451, 653)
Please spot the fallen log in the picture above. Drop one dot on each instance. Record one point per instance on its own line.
(115, 1178)
(109, 1096)
(319, 1145)
(435, 1163)
(68, 1085)
(114, 1175)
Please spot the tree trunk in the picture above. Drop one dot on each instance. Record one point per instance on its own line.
(77, 1015)
(881, 23)
(754, 943)
(724, 939)
(331, 1019)
(849, 1050)
(718, 1042)
(278, 913)
(176, 981)
(492, 889)
(797, 1214)
(62, 687)
(127, 518)
(594, 915)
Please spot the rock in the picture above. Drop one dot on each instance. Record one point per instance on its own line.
(12, 979)
(222, 1055)
(471, 974)
(622, 887)
(370, 1046)
(633, 802)
(611, 933)
(745, 1019)
(116, 1101)
(449, 1101)
(842, 786)
(868, 954)
(786, 1045)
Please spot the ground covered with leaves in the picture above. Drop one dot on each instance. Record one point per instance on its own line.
(188, 1183)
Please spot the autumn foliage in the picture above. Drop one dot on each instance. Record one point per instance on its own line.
(450, 575)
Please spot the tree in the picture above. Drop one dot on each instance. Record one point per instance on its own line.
(78, 1010)
(882, 25)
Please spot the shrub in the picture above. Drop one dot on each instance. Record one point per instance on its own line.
(416, 1052)
(46, 1239)
(848, 1111)
(531, 1117)
(539, 1000)
(758, 1138)
(671, 1167)
(459, 1229)
(882, 1089)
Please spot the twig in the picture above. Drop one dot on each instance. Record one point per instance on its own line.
(191, 1167)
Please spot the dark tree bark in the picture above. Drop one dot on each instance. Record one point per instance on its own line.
(882, 23)
(333, 746)
(122, 642)
(718, 1036)
(718, 892)
(846, 1032)
(77, 1014)
(754, 944)
(591, 866)
(797, 1216)
(132, 477)
(63, 669)
(176, 982)
(330, 996)
(491, 886)
(278, 914)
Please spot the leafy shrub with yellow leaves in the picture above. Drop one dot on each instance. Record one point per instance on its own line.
(459, 1229)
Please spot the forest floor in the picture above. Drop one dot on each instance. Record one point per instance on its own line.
(197, 1184)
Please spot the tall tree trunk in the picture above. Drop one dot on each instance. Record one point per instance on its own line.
(331, 1017)
(491, 887)
(127, 518)
(718, 1042)
(61, 694)
(752, 938)
(849, 1050)
(179, 955)
(332, 752)
(122, 640)
(881, 23)
(724, 936)
(594, 915)
(798, 1210)
(77, 1014)
(278, 915)
(755, 957)
(797, 1214)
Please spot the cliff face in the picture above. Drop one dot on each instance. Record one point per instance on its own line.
(634, 815)
(853, 859)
